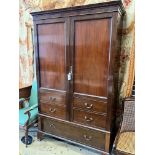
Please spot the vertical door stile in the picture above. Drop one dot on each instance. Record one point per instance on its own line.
(72, 65)
(68, 63)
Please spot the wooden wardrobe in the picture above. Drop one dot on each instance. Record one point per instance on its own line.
(76, 66)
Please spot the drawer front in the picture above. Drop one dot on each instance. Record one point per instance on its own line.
(53, 110)
(74, 132)
(89, 103)
(52, 97)
(90, 119)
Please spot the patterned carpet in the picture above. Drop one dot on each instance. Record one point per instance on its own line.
(51, 146)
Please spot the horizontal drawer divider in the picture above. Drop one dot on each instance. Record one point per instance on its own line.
(87, 95)
(43, 88)
(54, 104)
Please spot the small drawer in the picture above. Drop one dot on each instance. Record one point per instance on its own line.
(91, 119)
(52, 97)
(89, 103)
(53, 110)
(71, 131)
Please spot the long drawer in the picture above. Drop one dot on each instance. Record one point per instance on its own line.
(87, 136)
(90, 119)
(90, 103)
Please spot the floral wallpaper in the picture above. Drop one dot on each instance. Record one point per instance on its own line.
(26, 47)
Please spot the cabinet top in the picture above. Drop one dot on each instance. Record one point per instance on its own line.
(111, 6)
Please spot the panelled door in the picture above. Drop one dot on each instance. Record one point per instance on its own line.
(52, 66)
(90, 42)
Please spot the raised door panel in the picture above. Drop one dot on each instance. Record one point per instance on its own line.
(52, 55)
(91, 53)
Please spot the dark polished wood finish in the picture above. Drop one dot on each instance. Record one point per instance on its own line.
(76, 50)
(86, 103)
(25, 92)
(53, 110)
(52, 55)
(70, 131)
(113, 6)
(52, 97)
(91, 56)
(89, 118)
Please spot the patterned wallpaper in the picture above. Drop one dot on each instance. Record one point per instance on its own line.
(26, 46)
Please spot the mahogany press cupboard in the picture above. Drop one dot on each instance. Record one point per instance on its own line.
(76, 50)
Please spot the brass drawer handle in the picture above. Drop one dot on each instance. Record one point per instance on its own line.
(52, 125)
(88, 119)
(52, 110)
(52, 98)
(88, 106)
(87, 138)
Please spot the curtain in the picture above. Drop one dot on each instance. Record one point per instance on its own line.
(127, 60)
(25, 47)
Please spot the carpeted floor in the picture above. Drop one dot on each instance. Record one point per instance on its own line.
(51, 146)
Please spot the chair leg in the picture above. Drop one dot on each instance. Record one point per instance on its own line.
(26, 135)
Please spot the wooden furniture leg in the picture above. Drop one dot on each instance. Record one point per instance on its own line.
(39, 136)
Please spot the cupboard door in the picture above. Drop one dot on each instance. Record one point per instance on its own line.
(91, 46)
(51, 39)
(52, 59)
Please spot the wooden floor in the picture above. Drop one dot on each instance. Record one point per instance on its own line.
(51, 146)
